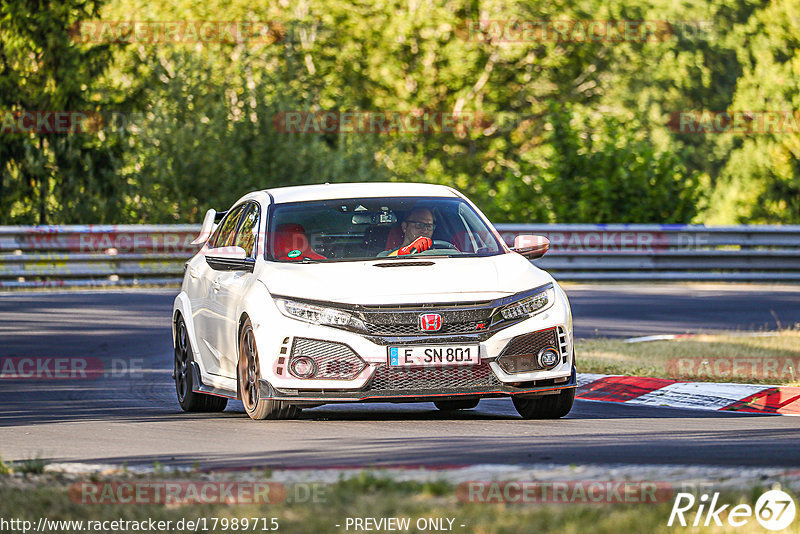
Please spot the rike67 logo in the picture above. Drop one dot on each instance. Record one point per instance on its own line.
(774, 510)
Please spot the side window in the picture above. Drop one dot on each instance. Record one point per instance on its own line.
(248, 230)
(226, 231)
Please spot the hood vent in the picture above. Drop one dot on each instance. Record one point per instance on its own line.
(405, 264)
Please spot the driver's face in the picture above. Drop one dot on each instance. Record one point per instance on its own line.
(419, 223)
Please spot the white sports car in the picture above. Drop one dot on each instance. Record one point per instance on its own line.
(375, 292)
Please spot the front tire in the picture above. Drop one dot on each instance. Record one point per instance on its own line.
(547, 406)
(190, 400)
(248, 372)
(453, 405)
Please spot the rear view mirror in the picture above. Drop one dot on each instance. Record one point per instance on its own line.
(373, 218)
(531, 246)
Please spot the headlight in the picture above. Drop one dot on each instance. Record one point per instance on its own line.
(319, 315)
(529, 305)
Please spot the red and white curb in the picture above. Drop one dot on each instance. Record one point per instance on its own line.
(667, 337)
(751, 398)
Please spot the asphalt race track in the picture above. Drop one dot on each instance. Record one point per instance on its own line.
(132, 416)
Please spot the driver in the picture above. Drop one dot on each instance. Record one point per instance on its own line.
(417, 230)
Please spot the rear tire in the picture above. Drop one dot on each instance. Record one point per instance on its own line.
(547, 406)
(190, 400)
(248, 372)
(453, 405)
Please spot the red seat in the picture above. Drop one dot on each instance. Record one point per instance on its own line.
(291, 237)
(395, 238)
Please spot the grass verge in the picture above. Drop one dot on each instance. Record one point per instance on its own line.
(733, 357)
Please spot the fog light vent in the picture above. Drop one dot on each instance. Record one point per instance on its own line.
(535, 351)
(331, 361)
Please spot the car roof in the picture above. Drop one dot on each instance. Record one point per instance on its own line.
(302, 193)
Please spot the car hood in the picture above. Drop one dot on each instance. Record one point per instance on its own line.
(366, 282)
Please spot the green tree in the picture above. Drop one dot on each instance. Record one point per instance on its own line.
(608, 173)
(55, 177)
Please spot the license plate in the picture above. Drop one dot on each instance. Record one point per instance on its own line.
(434, 356)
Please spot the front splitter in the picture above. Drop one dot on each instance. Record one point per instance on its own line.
(267, 391)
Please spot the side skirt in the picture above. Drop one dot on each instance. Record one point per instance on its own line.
(199, 387)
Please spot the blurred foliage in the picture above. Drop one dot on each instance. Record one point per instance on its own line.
(562, 131)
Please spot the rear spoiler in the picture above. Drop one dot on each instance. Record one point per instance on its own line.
(209, 225)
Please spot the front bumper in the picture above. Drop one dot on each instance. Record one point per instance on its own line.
(369, 377)
(379, 390)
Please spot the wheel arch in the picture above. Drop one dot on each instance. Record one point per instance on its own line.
(182, 308)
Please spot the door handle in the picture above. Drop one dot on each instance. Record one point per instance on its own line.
(215, 284)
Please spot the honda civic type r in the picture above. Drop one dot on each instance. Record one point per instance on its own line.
(383, 292)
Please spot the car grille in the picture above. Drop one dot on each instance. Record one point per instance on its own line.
(414, 330)
(433, 378)
(334, 360)
(464, 318)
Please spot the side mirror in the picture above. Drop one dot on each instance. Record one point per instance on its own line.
(531, 246)
(229, 259)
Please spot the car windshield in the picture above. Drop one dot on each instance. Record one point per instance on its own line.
(370, 228)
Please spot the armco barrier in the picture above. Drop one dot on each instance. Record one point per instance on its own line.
(666, 251)
(53, 256)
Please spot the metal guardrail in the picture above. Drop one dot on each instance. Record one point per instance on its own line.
(666, 251)
(93, 255)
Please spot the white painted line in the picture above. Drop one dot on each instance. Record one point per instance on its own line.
(666, 337)
(587, 378)
(699, 395)
(661, 337)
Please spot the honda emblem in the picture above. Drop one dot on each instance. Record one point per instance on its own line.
(430, 322)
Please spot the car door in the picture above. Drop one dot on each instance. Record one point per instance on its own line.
(208, 311)
(228, 290)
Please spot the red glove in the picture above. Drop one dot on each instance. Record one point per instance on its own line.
(418, 245)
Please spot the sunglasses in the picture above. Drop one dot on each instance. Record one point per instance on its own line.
(428, 227)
